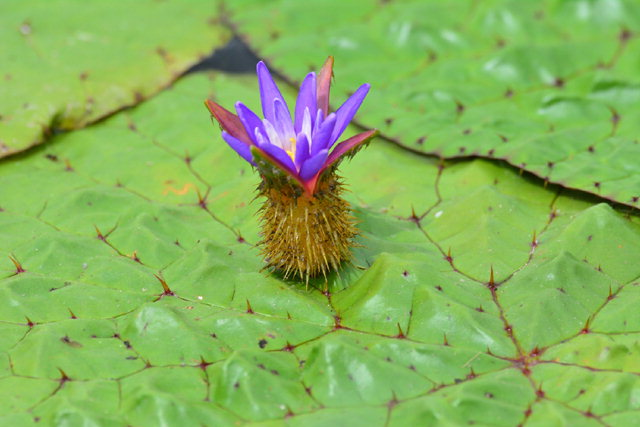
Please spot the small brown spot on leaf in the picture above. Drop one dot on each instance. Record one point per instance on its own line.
(70, 342)
(162, 52)
(491, 283)
(625, 35)
(288, 347)
(25, 28)
(203, 364)
(401, 334)
(615, 117)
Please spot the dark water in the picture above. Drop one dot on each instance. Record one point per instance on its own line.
(234, 57)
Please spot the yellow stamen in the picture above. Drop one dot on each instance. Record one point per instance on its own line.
(292, 152)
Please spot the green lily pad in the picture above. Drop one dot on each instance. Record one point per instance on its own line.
(66, 64)
(548, 87)
(133, 292)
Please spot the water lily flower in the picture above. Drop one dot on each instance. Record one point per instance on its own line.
(304, 146)
(307, 228)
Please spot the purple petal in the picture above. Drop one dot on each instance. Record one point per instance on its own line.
(347, 110)
(302, 149)
(282, 123)
(268, 92)
(318, 121)
(280, 155)
(239, 147)
(313, 165)
(306, 128)
(321, 138)
(249, 120)
(306, 99)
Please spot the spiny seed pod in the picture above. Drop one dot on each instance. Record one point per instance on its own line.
(307, 227)
(306, 236)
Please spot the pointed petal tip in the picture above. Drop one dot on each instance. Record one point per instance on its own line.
(228, 121)
(262, 70)
(324, 85)
(328, 62)
(364, 88)
(212, 106)
(348, 110)
(268, 91)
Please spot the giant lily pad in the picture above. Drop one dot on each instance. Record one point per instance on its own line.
(132, 292)
(65, 63)
(550, 87)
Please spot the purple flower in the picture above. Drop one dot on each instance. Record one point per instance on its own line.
(302, 147)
